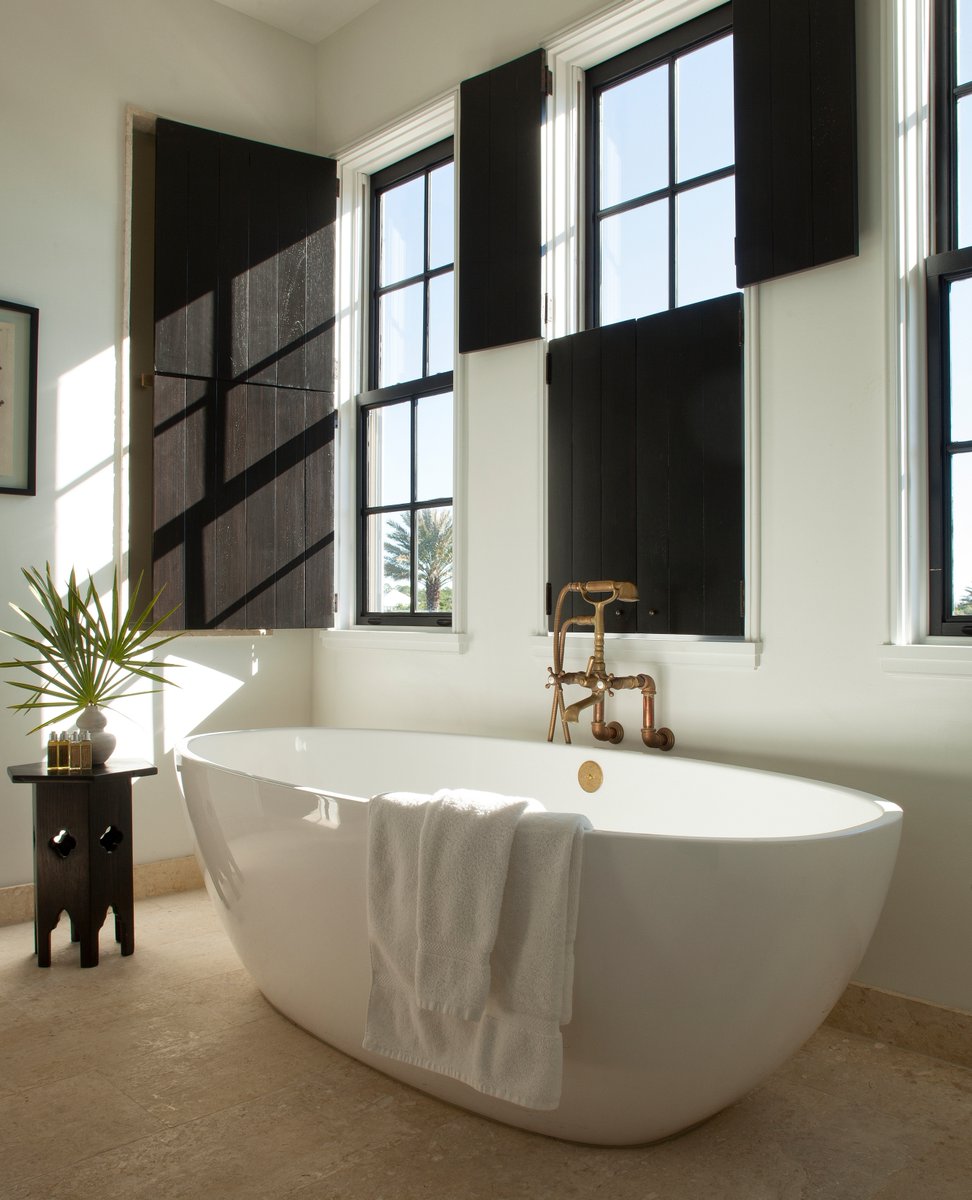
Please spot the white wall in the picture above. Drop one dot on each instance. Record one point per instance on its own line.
(67, 72)
(820, 703)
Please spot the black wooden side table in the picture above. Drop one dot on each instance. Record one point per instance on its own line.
(83, 852)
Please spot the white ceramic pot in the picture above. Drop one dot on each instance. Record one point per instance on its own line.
(102, 743)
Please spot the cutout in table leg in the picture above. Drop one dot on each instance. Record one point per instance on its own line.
(111, 839)
(62, 843)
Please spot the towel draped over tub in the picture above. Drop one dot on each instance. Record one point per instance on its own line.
(472, 912)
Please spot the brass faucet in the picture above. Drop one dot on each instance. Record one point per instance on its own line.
(596, 678)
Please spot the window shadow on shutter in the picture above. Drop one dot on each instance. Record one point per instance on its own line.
(796, 135)
(500, 117)
(244, 407)
(645, 466)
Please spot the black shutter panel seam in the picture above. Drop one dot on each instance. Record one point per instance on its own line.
(500, 118)
(244, 405)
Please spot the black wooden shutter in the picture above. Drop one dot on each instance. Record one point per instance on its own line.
(796, 135)
(646, 466)
(500, 117)
(244, 404)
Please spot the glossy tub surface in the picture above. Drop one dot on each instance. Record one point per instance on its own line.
(722, 910)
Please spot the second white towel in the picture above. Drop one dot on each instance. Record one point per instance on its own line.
(464, 854)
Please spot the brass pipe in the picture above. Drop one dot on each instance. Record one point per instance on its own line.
(654, 739)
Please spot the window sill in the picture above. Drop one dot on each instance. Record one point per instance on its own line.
(431, 641)
(941, 657)
(638, 649)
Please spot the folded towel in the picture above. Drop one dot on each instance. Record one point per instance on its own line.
(464, 851)
(514, 1050)
(533, 960)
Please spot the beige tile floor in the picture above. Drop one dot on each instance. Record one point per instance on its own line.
(166, 1075)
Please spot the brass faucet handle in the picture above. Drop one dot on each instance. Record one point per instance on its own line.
(613, 588)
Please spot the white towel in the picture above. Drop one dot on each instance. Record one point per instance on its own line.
(464, 851)
(514, 1050)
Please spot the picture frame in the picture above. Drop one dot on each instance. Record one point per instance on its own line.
(18, 398)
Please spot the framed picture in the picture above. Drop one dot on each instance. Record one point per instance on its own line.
(18, 398)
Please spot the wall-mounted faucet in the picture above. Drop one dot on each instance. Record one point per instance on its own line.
(596, 678)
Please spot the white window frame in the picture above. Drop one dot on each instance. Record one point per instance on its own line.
(569, 54)
(431, 123)
(907, 37)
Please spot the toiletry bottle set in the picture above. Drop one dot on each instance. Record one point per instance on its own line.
(69, 751)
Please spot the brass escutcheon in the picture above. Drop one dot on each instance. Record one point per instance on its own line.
(590, 776)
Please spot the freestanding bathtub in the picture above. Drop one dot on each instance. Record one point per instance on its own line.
(722, 910)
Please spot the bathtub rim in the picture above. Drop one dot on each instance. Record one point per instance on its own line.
(889, 813)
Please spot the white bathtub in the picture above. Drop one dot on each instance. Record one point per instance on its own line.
(722, 910)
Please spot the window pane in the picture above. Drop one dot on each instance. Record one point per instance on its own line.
(964, 40)
(389, 562)
(706, 221)
(441, 323)
(960, 358)
(433, 447)
(964, 171)
(703, 89)
(433, 555)
(402, 231)
(962, 534)
(442, 239)
(633, 138)
(389, 455)
(400, 322)
(634, 263)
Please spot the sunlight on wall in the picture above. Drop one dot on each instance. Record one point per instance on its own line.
(84, 466)
(200, 692)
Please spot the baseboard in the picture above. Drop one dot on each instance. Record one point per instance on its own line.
(149, 879)
(905, 1022)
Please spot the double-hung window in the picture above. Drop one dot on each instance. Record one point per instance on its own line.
(405, 430)
(660, 176)
(949, 323)
(645, 406)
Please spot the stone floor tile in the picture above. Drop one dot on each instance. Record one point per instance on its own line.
(263, 1149)
(168, 1077)
(189, 1079)
(926, 1093)
(56, 1125)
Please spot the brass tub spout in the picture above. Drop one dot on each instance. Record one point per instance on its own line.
(596, 678)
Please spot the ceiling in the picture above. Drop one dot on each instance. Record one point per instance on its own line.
(309, 20)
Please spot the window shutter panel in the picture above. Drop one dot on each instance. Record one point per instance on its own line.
(500, 116)
(244, 405)
(796, 136)
(690, 469)
(646, 466)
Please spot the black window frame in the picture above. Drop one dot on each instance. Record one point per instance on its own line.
(421, 163)
(949, 263)
(665, 47)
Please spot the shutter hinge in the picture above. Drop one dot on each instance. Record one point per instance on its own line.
(548, 599)
(546, 80)
(337, 186)
(335, 598)
(742, 597)
(548, 372)
(547, 308)
(742, 336)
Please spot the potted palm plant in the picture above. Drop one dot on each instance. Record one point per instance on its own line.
(84, 655)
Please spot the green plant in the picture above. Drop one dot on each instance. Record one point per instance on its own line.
(85, 654)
